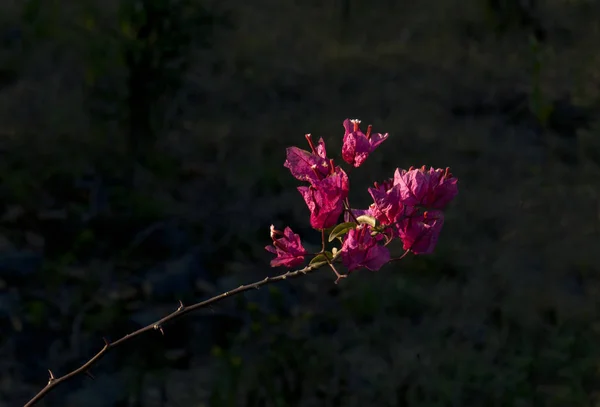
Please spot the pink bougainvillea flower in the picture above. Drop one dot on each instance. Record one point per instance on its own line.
(360, 249)
(387, 206)
(358, 145)
(288, 248)
(433, 188)
(419, 233)
(307, 166)
(325, 198)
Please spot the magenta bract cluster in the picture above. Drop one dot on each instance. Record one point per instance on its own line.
(406, 207)
(357, 145)
(361, 249)
(287, 247)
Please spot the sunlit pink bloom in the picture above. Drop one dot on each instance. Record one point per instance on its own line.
(433, 188)
(309, 166)
(357, 145)
(288, 248)
(420, 233)
(325, 199)
(387, 207)
(360, 249)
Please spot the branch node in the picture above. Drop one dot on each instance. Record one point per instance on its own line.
(106, 342)
(181, 306)
(159, 328)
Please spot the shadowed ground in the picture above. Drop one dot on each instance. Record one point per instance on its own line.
(503, 314)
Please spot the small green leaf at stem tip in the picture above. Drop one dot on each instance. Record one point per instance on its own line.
(321, 259)
(341, 230)
(368, 220)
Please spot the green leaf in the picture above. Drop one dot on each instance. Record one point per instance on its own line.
(368, 220)
(329, 230)
(321, 259)
(341, 230)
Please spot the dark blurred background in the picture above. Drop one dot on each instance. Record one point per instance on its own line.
(142, 146)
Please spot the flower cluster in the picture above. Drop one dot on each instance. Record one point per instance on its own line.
(408, 206)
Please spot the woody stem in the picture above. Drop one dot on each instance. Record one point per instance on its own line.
(337, 274)
(347, 208)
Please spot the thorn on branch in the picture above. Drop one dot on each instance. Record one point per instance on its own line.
(51, 378)
(108, 344)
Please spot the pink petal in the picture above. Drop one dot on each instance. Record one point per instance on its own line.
(300, 163)
(420, 234)
(377, 258)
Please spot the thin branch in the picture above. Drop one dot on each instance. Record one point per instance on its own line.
(401, 257)
(347, 208)
(54, 381)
